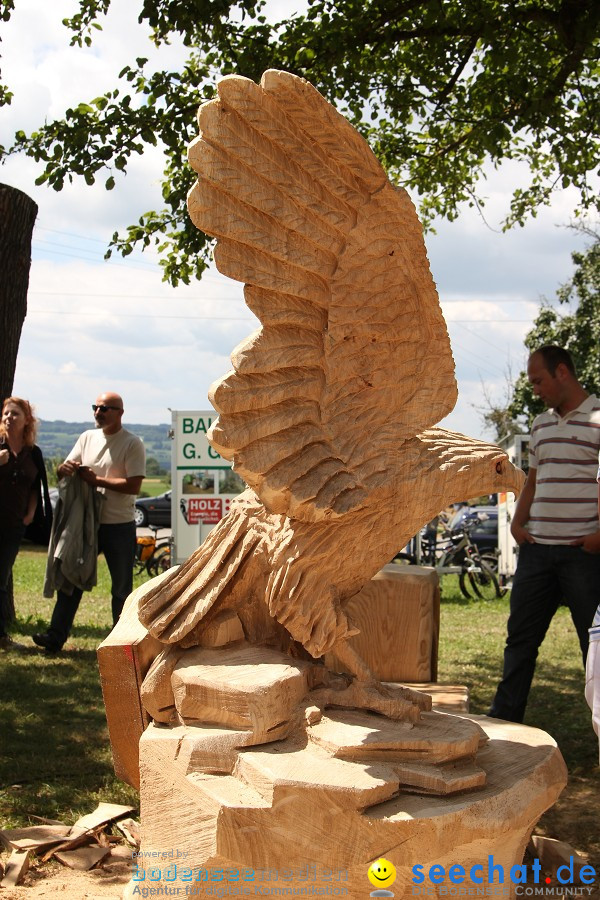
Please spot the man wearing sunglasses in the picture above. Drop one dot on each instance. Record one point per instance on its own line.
(112, 460)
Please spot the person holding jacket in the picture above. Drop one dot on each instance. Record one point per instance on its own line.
(22, 479)
(112, 461)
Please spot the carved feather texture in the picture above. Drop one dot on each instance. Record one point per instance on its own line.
(353, 357)
(328, 409)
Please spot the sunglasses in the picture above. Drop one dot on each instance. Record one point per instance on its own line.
(100, 407)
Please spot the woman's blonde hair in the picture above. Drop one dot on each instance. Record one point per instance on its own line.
(30, 430)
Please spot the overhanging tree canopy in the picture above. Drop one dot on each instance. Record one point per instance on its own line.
(440, 88)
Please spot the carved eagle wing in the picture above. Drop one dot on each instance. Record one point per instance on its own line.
(353, 357)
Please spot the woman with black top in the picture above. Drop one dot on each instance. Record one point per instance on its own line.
(20, 481)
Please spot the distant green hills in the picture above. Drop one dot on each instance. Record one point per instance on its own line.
(57, 438)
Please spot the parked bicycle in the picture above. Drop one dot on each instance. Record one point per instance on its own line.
(152, 554)
(454, 552)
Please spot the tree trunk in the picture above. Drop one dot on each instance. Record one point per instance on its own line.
(17, 217)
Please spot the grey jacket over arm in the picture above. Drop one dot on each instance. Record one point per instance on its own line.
(73, 549)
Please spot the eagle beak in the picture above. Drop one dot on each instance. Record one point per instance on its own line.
(517, 481)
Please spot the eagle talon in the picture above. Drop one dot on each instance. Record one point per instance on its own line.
(365, 692)
(422, 700)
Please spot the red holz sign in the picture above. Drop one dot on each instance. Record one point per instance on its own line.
(208, 510)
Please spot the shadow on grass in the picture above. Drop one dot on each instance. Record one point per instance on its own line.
(97, 632)
(556, 705)
(455, 598)
(49, 704)
(30, 626)
(54, 737)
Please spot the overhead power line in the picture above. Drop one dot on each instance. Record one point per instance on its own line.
(88, 313)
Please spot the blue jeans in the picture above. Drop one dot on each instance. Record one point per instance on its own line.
(117, 542)
(10, 541)
(547, 575)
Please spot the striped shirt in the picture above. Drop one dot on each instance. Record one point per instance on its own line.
(565, 454)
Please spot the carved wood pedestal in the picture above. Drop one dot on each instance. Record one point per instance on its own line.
(318, 811)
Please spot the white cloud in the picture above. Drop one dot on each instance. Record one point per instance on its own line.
(68, 368)
(122, 328)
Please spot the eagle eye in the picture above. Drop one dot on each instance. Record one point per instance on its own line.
(499, 468)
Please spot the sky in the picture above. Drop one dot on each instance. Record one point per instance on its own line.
(95, 325)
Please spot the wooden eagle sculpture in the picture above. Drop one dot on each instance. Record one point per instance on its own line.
(328, 412)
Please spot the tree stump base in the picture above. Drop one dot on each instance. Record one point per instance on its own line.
(315, 810)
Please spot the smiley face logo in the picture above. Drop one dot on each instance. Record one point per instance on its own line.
(382, 873)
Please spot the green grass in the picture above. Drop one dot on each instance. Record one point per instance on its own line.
(472, 635)
(55, 756)
(152, 487)
(55, 760)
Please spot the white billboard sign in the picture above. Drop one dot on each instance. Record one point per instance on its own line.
(203, 483)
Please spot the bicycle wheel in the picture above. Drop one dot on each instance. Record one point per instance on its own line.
(160, 561)
(139, 567)
(491, 561)
(484, 582)
(465, 585)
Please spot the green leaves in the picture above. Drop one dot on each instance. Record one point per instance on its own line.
(5, 96)
(6, 8)
(577, 328)
(440, 89)
(84, 21)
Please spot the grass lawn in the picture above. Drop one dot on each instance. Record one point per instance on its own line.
(472, 635)
(56, 762)
(152, 487)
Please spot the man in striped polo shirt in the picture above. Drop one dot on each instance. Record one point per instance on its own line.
(555, 517)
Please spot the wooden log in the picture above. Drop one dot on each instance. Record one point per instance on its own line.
(398, 615)
(124, 657)
(401, 604)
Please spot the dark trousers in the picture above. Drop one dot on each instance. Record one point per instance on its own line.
(547, 575)
(117, 542)
(10, 541)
